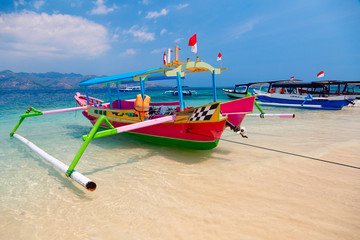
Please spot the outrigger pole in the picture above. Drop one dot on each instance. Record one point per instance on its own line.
(78, 177)
(32, 112)
(69, 170)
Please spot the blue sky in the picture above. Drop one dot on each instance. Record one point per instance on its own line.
(259, 39)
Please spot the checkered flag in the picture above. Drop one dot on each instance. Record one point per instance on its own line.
(204, 113)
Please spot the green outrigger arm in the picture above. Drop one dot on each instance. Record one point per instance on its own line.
(28, 113)
(256, 104)
(87, 138)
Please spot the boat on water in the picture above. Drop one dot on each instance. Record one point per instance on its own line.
(241, 90)
(311, 95)
(167, 123)
(130, 89)
(185, 92)
(195, 127)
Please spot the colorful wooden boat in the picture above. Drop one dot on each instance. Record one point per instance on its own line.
(168, 123)
(195, 127)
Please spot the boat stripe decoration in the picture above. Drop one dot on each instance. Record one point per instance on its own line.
(204, 113)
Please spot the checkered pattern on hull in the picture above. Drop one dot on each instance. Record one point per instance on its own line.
(204, 113)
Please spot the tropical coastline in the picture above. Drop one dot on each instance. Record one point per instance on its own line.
(179, 120)
(255, 188)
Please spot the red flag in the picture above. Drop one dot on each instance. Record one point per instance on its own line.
(164, 58)
(193, 43)
(219, 57)
(320, 74)
(292, 78)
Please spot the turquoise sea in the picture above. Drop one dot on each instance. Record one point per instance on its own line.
(280, 183)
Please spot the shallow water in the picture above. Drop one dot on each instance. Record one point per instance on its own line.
(280, 183)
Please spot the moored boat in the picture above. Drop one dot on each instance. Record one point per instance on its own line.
(301, 95)
(130, 89)
(241, 90)
(195, 127)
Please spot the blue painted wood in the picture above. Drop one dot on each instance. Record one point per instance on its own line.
(142, 88)
(125, 76)
(118, 95)
(214, 86)
(109, 90)
(87, 95)
(180, 93)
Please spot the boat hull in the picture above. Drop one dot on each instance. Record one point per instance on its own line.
(233, 94)
(201, 135)
(300, 101)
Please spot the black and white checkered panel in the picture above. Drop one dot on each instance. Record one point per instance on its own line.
(204, 113)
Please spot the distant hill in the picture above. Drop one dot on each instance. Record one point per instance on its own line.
(51, 80)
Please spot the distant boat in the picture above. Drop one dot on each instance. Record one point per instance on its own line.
(301, 95)
(184, 92)
(241, 90)
(130, 89)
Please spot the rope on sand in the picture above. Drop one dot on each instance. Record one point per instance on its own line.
(280, 151)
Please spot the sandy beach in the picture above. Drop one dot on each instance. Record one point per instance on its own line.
(293, 189)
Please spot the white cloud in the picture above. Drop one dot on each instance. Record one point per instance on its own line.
(32, 34)
(178, 40)
(181, 6)
(155, 14)
(38, 4)
(163, 31)
(20, 2)
(236, 32)
(158, 50)
(140, 33)
(100, 8)
(129, 52)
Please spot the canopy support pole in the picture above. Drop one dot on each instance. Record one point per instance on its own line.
(142, 86)
(109, 90)
(180, 92)
(214, 86)
(87, 95)
(118, 95)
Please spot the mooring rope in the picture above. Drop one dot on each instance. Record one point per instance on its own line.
(275, 150)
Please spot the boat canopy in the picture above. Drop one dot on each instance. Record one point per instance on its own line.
(121, 77)
(336, 82)
(175, 70)
(298, 85)
(267, 82)
(168, 72)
